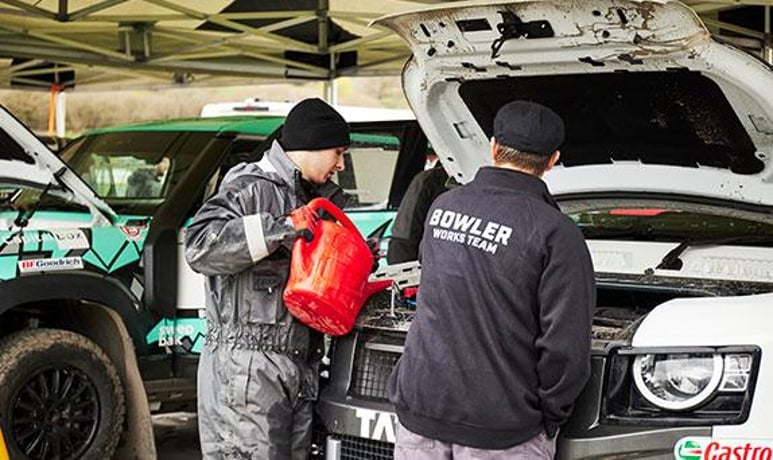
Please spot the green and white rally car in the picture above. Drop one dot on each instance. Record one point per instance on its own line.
(100, 317)
(667, 169)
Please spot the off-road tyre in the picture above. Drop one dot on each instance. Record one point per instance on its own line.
(60, 388)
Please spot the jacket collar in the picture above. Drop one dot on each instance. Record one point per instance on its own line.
(276, 161)
(492, 176)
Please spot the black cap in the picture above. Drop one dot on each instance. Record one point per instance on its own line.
(529, 127)
(313, 125)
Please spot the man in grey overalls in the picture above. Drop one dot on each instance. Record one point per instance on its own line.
(258, 371)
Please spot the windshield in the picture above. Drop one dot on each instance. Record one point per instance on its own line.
(369, 164)
(134, 169)
(15, 199)
(644, 220)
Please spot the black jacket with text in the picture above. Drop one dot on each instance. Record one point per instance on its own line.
(500, 346)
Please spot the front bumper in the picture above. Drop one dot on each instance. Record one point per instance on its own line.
(649, 444)
(361, 429)
(352, 427)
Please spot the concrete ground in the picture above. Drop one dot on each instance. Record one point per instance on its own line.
(177, 436)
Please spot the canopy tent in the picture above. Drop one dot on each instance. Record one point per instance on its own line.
(185, 41)
(178, 42)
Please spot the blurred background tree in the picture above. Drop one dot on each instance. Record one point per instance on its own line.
(87, 109)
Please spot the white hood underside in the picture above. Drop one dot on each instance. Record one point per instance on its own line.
(452, 46)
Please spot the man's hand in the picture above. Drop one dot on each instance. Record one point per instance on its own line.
(374, 245)
(305, 222)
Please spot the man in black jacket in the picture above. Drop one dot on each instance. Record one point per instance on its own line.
(408, 228)
(500, 347)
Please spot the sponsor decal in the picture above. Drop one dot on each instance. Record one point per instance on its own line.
(47, 265)
(705, 448)
(173, 335)
(34, 238)
(470, 230)
(133, 232)
(377, 425)
(185, 333)
(70, 239)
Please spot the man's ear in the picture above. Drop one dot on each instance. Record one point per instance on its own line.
(553, 160)
(493, 149)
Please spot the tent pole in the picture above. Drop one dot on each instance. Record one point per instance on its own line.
(331, 91)
(767, 47)
(61, 112)
(323, 22)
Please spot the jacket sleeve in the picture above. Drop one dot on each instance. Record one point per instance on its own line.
(229, 234)
(408, 227)
(567, 299)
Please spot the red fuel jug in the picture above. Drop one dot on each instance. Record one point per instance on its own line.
(328, 282)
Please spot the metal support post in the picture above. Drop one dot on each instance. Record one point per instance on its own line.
(767, 46)
(331, 91)
(60, 115)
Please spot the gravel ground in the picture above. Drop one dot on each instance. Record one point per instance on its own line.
(177, 436)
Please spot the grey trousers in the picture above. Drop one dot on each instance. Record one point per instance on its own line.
(411, 446)
(251, 407)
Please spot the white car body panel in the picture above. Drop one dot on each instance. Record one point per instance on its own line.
(741, 320)
(191, 291)
(637, 177)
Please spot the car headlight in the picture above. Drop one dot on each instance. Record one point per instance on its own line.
(677, 381)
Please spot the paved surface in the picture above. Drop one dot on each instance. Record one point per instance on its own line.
(177, 436)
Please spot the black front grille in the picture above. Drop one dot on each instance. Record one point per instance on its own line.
(361, 449)
(371, 373)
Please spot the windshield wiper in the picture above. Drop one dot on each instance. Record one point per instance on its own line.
(629, 231)
(672, 260)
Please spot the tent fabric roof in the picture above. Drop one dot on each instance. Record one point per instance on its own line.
(152, 42)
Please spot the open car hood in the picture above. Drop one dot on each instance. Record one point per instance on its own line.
(26, 161)
(652, 103)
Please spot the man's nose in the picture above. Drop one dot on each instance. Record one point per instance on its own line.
(340, 163)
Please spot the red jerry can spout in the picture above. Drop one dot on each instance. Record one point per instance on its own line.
(328, 283)
(374, 287)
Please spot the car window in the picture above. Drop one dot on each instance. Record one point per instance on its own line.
(369, 165)
(6, 192)
(668, 221)
(20, 198)
(369, 168)
(131, 167)
(125, 176)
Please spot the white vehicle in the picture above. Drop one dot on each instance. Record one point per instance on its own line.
(667, 170)
(254, 106)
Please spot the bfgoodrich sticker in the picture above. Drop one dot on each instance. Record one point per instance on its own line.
(704, 448)
(47, 265)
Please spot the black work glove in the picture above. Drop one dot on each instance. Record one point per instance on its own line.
(304, 221)
(373, 244)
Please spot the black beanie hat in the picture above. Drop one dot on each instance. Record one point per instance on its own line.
(313, 125)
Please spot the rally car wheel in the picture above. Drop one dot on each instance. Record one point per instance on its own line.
(60, 396)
